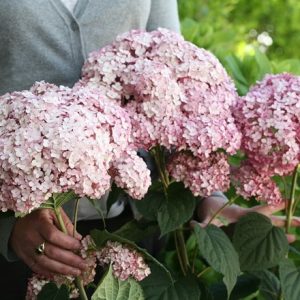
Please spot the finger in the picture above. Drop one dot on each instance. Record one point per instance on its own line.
(280, 221)
(53, 266)
(33, 265)
(51, 234)
(65, 256)
(267, 210)
(291, 238)
(69, 225)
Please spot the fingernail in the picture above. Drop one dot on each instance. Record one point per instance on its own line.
(77, 272)
(78, 236)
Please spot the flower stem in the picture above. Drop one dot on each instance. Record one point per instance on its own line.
(292, 203)
(181, 250)
(75, 216)
(78, 280)
(203, 271)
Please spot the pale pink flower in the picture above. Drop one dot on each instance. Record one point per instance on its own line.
(203, 175)
(126, 262)
(55, 139)
(251, 183)
(269, 118)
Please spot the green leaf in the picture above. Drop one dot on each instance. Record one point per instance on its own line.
(156, 283)
(264, 64)
(101, 237)
(111, 288)
(259, 244)
(177, 209)
(137, 230)
(157, 286)
(185, 288)
(50, 291)
(269, 285)
(218, 251)
(290, 280)
(246, 285)
(150, 204)
(59, 199)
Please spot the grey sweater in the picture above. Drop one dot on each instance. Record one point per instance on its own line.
(43, 40)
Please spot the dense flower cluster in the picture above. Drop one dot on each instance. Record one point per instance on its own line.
(269, 119)
(54, 139)
(178, 96)
(251, 183)
(202, 176)
(126, 262)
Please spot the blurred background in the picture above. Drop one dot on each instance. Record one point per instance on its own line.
(250, 37)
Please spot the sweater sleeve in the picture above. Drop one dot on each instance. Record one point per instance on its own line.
(6, 226)
(164, 13)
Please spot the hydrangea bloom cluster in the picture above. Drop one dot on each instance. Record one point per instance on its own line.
(250, 183)
(202, 176)
(126, 262)
(178, 96)
(269, 118)
(54, 139)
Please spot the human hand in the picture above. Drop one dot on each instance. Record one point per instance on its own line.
(232, 213)
(41, 226)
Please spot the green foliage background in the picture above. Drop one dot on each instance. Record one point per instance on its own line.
(231, 30)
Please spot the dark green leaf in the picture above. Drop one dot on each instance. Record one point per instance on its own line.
(246, 285)
(51, 292)
(157, 286)
(259, 244)
(269, 285)
(290, 280)
(156, 283)
(150, 204)
(178, 208)
(218, 251)
(185, 288)
(137, 230)
(111, 288)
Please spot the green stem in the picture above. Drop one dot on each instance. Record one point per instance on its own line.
(78, 280)
(203, 271)
(159, 157)
(292, 203)
(75, 216)
(182, 266)
(182, 252)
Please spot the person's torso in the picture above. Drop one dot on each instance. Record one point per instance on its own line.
(43, 40)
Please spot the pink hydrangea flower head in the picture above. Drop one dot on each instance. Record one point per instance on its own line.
(181, 90)
(269, 118)
(55, 139)
(251, 183)
(203, 175)
(126, 262)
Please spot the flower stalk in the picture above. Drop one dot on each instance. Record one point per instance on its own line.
(78, 280)
(292, 204)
